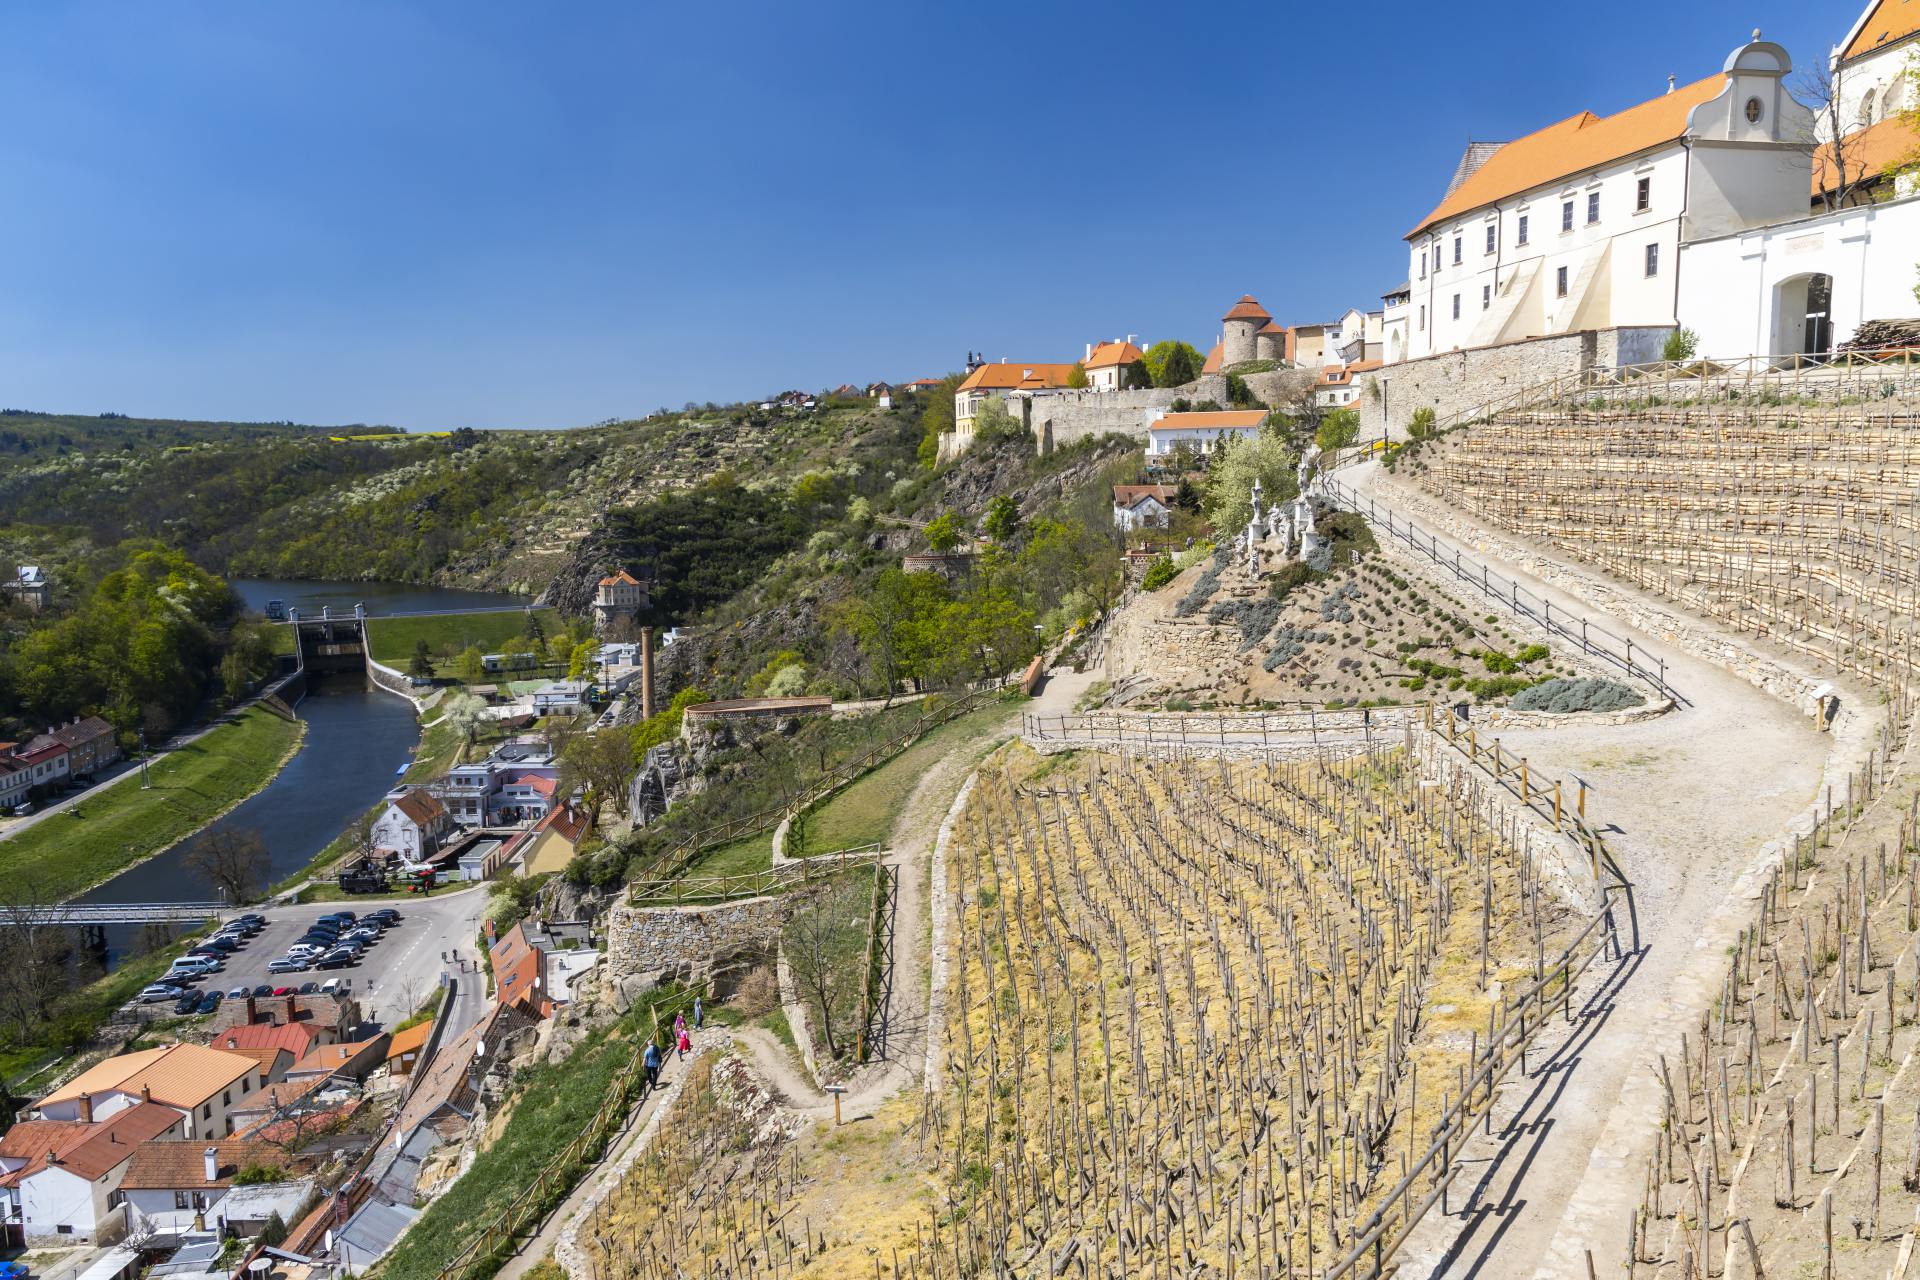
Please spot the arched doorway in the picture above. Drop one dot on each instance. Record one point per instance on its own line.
(1803, 315)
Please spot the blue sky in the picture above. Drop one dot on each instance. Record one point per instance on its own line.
(434, 215)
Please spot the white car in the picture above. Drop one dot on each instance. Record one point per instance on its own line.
(304, 951)
(193, 967)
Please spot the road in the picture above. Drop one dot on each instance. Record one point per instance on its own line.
(396, 974)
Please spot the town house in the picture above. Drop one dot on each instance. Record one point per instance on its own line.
(412, 826)
(202, 1084)
(60, 1179)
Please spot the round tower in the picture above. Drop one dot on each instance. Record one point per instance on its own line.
(1237, 343)
(1270, 343)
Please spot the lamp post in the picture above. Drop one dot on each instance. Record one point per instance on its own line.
(146, 783)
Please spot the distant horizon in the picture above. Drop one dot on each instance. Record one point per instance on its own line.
(433, 215)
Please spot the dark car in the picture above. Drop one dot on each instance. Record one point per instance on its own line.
(208, 1002)
(342, 917)
(308, 988)
(387, 915)
(220, 942)
(189, 1001)
(319, 935)
(262, 991)
(338, 958)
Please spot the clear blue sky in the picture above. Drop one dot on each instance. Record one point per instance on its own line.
(546, 215)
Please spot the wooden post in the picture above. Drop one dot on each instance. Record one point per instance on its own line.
(1556, 804)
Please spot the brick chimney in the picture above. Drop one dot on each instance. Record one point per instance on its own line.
(646, 673)
(250, 1010)
(146, 1093)
(86, 1108)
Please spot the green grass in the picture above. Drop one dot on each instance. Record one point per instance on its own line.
(865, 811)
(63, 853)
(829, 929)
(553, 1103)
(744, 856)
(76, 1015)
(391, 640)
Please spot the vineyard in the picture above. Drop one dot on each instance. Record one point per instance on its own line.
(1205, 1018)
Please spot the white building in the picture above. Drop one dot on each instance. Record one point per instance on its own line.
(1869, 67)
(1200, 432)
(202, 1084)
(1143, 506)
(1578, 226)
(997, 382)
(1107, 363)
(413, 825)
(562, 698)
(60, 1179)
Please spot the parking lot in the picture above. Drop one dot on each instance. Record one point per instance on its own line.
(394, 976)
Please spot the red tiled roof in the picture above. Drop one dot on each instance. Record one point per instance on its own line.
(1247, 309)
(182, 1165)
(1008, 377)
(98, 1148)
(295, 1038)
(1125, 495)
(420, 807)
(620, 578)
(81, 732)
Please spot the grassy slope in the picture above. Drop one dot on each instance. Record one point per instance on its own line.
(63, 854)
(392, 639)
(864, 813)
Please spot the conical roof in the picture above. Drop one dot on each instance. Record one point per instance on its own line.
(1247, 309)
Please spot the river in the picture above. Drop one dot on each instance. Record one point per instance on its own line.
(357, 740)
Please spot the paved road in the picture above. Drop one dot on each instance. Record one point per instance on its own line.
(396, 974)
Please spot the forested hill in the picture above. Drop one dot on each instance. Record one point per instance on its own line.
(27, 435)
(497, 509)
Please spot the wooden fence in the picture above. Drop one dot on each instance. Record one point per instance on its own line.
(676, 890)
(482, 1256)
(1216, 728)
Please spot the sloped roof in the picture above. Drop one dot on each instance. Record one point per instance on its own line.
(182, 1164)
(268, 1057)
(1247, 309)
(328, 1058)
(1225, 419)
(294, 1037)
(91, 1150)
(1868, 152)
(1125, 495)
(1214, 359)
(1886, 22)
(1272, 326)
(81, 732)
(1009, 377)
(181, 1075)
(1115, 353)
(619, 579)
(517, 984)
(420, 807)
(1572, 146)
(409, 1040)
(30, 1140)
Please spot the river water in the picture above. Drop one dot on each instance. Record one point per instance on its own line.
(358, 739)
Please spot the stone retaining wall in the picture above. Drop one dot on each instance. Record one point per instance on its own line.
(1455, 382)
(687, 944)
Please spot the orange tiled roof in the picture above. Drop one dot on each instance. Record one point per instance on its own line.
(182, 1165)
(1572, 146)
(1115, 353)
(1868, 152)
(1215, 418)
(91, 1150)
(1125, 495)
(1888, 22)
(1247, 309)
(1215, 358)
(333, 1057)
(181, 1075)
(617, 579)
(1272, 326)
(1009, 377)
(420, 806)
(409, 1040)
(294, 1037)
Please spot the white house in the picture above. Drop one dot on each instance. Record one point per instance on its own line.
(1395, 319)
(1201, 432)
(1578, 225)
(413, 824)
(1107, 363)
(60, 1179)
(202, 1084)
(181, 1186)
(16, 779)
(1869, 66)
(1143, 506)
(561, 698)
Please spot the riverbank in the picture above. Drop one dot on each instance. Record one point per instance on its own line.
(120, 825)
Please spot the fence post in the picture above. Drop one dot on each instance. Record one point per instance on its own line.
(1556, 804)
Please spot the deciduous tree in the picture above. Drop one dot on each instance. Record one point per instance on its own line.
(233, 860)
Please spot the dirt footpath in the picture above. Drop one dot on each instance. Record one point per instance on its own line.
(1692, 803)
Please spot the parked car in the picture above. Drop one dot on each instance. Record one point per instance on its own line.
(285, 991)
(387, 914)
(238, 993)
(308, 988)
(262, 991)
(335, 986)
(161, 991)
(189, 1001)
(287, 964)
(208, 1002)
(362, 935)
(223, 942)
(194, 966)
(338, 958)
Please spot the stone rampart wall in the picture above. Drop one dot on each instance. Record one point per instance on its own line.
(1456, 382)
(1063, 417)
(688, 944)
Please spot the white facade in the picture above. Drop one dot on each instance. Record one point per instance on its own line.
(1598, 248)
(15, 781)
(1873, 83)
(1162, 441)
(59, 1202)
(1747, 293)
(1145, 512)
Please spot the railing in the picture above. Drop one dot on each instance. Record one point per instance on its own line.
(114, 913)
(1594, 640)
(676, 890)
(1794, 377)
(1218, 728)
(483, 1253)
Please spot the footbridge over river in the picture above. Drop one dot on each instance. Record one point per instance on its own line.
(94, 914)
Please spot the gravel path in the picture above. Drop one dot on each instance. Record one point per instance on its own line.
(1693, 802)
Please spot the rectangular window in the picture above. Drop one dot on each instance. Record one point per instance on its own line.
(1593, 207)
(206, 1112)
(1456, 306)
(1653, 259)
(1456, 251)
(1643, 197)
(1423, 318)
(1560, 283)
(1486, 296)
(179, 1199)
(1423, 264)
(1566, 215)
(1490, 237)
(1523, 230)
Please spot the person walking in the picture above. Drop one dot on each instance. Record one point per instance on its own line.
(651, 1061)
(685, 1041)
(679, 1025)
(699, 1013)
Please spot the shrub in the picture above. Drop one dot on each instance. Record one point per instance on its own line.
(1682, 344)
(1204, 588)
(1584, 694)
(1421, 426)
(1159, 573)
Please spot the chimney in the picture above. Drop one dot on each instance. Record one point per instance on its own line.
(646, 672)
(1089, 354)
(86, 1108)
(212, 1155)
(146, 1093)
(1669, 84)
(250, 1010)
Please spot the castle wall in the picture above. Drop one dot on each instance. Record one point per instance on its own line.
(1059, 420)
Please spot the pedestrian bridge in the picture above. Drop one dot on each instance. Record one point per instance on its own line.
(102, 913)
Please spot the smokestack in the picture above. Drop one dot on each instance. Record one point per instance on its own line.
(250, 1010)
(646, 673)
(212, 1156)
